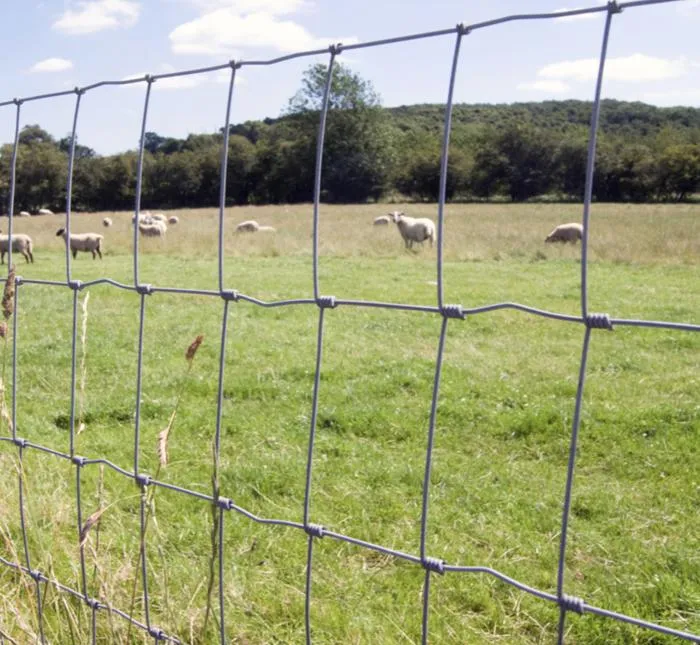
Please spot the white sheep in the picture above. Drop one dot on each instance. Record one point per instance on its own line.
(249, 226)
(266, 229)
(156, 229)
(21, 243)
(566, 233)
(144, 218)
(88, 242)
(159, 217)
(173, 219)
(107, 222)
(382, 220)
(24, 214)
(414, 229)
(45, 211)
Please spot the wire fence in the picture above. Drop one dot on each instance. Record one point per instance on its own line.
(448, 312)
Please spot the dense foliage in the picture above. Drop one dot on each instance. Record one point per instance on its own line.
(510, 152)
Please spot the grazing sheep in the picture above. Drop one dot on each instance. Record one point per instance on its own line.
(382, 220)
(249, 226)
(159, 217)
(24, 214)
(156, 229)
(414, 229)
(566, 233)
(45, 211)
(88, 242)
(107, 222)
(173, 219)
(21, 243)
(144, 218)
(266, 229)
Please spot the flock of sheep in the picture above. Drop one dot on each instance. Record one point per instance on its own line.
(413, 230)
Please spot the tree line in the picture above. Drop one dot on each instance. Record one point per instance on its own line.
(497, 152)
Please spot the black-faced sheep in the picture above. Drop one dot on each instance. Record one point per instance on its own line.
(414, 229)
(88, 242)
(566, 233)
(173, 219)
(107, 222)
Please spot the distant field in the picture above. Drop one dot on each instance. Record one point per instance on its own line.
(501, 445)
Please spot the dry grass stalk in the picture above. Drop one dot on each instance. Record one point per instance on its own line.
(83, 367)
(4, 412)
(8, 296)
(3, 329)
(163, 441)
(89, 523)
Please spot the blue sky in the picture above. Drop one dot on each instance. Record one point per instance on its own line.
(52, 45)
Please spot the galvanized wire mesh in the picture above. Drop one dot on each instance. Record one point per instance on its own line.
(447, 312)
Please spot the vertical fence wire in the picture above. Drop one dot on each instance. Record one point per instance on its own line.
(139, 178)
(221, 504)
(224, 175)
(13, 176)
(69, 190)
(442, 196)
(319, 164)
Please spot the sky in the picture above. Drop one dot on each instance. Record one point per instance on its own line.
(54, 45)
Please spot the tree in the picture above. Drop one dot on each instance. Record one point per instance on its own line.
(679, 171)
(358, 148)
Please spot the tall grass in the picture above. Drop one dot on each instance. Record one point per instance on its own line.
(503, 426)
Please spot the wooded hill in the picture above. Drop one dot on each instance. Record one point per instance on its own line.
(498, 152)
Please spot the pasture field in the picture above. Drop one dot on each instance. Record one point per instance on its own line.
(501, 444)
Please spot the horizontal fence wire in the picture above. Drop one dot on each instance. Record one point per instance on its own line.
(224, 504)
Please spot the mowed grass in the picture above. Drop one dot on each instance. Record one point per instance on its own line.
(501, 444)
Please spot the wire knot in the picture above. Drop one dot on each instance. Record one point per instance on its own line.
(149, 78)
(156, 633)
(336, 49)
(230, 294)
(234, 65)
(453, 311)
(78, 460)
(144, 289)
(613, 7)
(326, 302)
(434, 564)
(143, 480)
(572, 603)
(79, 90)
(315, 530)
(93, 603)
(20, 443)
(18, 280)
(599, 321)
(76, 285)
(462, 30)
(35, 574)
(17, 102)
(224, 502)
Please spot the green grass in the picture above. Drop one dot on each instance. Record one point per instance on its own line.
(501, 444)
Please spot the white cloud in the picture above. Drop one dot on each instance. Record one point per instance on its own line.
(551, 86)
(224, 32)
(51, 65)
(95, 15)
(275, 7)
(632, 69)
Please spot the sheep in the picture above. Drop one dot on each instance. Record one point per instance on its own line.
(107, 222)
(21, 243)
(173, 219)
(45, 211)
(24, 214)
(249, 226)
(88, 242)
(144, 218)
(414, 229)
(159, 217)
(566, 233)
(266, 229)
(156, 229)
(382, 220)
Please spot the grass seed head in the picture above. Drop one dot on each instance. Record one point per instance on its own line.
(194, 346)
(3, 329)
